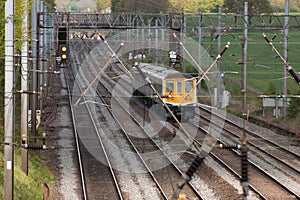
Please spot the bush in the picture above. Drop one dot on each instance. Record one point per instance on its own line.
(293, 108)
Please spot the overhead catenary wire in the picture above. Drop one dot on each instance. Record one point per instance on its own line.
(99, 74)
(166, 106)
(201, 76)
(115, 54)
(288, 67)
(188, 53)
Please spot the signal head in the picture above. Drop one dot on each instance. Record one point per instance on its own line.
(63, 48)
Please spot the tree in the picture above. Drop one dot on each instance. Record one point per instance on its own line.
(271, 89)
(294, 108)
(278, 5)
(146, 6)
(194, 6)
(117, 5)
(254, 6)
(101, 5)
(173, 6)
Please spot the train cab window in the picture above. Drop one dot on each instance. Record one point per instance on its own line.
(179, 86)
(188, 86)
(169, 86)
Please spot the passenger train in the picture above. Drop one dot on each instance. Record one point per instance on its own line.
(177, 89)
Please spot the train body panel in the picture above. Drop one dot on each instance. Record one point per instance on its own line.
(177, 89)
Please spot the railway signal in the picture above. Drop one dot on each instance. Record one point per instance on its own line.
(174, 58)
(62, 56)
(64, 51)
(62, 48)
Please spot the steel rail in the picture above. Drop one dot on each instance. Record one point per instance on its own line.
(290, 190)
(81, 171)
(103, 148)
(255, 135)
(145, 132)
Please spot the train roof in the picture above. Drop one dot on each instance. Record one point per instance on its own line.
(162, 72)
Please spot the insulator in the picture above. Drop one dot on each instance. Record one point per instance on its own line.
(294, 75)
(274, 36)
(193, 168)
(35, 147)
(266, 38)
(225, 48)
(244, 163)
(234, 146)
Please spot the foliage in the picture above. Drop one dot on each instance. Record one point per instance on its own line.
(294, 108)
(28, 187)
(271, 89)
(117, 5)
(254, 6)
(195, 6)
(102, 5)
(174, 6)
(50, 4)
(20, 14)
(278, 5)
(147, 6)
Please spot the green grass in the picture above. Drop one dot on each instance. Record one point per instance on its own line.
(28, 187)
(263, 65)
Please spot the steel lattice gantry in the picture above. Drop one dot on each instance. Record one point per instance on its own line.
(187, 21)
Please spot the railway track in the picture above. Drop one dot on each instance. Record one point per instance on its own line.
(88, 165)
(285, 175)
(142, 141)
(203, 188)
(145, 145)
(140, 144)
(256, 169)
(132, 145)
(163, 135)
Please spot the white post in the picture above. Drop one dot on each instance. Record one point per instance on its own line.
(24, 86)
(9, 113)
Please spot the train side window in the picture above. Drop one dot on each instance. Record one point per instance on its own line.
(169, 86)
(179, 86)
(188, 86)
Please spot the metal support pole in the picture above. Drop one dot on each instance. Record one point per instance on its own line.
(219, 92)
(42, 53)
(46, 51)
(9, 113)
(244, 166)
(34, 68)
(199, 46)
(285, 48)
(156, 41)
(183, 39)
(200, 35)
(219, 35)
(245, 44)
(24, 97)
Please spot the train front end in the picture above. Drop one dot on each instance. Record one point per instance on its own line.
(180, 96)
